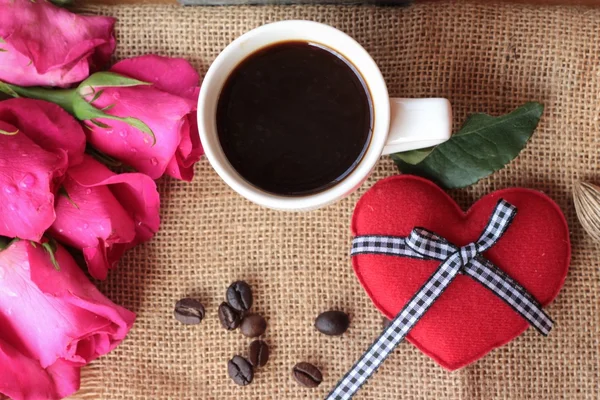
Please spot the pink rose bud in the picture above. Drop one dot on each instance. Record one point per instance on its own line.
(167, 107)
(41, 44)
(38, 140)
(104, 214)
(53, 323)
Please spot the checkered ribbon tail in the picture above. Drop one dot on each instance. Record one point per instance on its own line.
(467, 260)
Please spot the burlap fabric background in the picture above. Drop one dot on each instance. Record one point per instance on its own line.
(484, 58)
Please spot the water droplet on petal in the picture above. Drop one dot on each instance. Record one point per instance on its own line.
(10, 189)
(88, 191)
(108, 131)
(133, 150)
(154, 161)
(123, 133)
(146, 140)
(12, 207)
(116, 95)
(27, 181)
(85, 226)
(61, 230)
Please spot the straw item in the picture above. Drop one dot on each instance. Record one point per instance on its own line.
(484, 58)
(587, 204)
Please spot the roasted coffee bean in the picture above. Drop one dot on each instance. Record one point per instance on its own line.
(189, 311)
(258, 353)
(240, 370)
(307, 374)
(230, 318)
(332, 323)
(239, 296)
(253, 325)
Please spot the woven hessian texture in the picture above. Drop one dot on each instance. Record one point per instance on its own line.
(484, 58)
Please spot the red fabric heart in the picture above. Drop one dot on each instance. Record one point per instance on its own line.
(467, 321)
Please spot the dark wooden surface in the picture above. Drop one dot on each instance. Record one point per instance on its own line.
(558, 2)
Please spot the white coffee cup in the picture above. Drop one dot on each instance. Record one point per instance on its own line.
(398, 124)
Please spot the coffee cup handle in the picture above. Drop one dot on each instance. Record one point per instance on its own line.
(418, 123)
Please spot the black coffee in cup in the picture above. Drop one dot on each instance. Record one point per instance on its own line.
(294, 118)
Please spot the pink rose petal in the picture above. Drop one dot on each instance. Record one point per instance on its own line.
(167, 107)
(105, 213)
(172, 75)
(70, 46)
(189, 152)
(28, 176)
(57, 314)
(47, 124)
(33, 163)
(164, 113)
(23, 378)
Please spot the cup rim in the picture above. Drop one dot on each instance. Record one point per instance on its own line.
(280, 32)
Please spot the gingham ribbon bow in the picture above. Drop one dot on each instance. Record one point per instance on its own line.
(426, 245)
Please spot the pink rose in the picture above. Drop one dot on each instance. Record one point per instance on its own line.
(24, 378)
(32, 163)
(167, 106)
(105, 214)
(53, 322)
(45, 45)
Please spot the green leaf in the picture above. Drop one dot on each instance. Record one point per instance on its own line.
(62, 3)
(84, 111)
(103, 158)
(100, 124)
(7, 89)
(73, 101)
(414, 157)
(484, 145)
(6, 242)
(61, 97)
(139, 124)
(51, 247)
(3, 132)
(63, 192)
(96, 96)
(109, 79)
